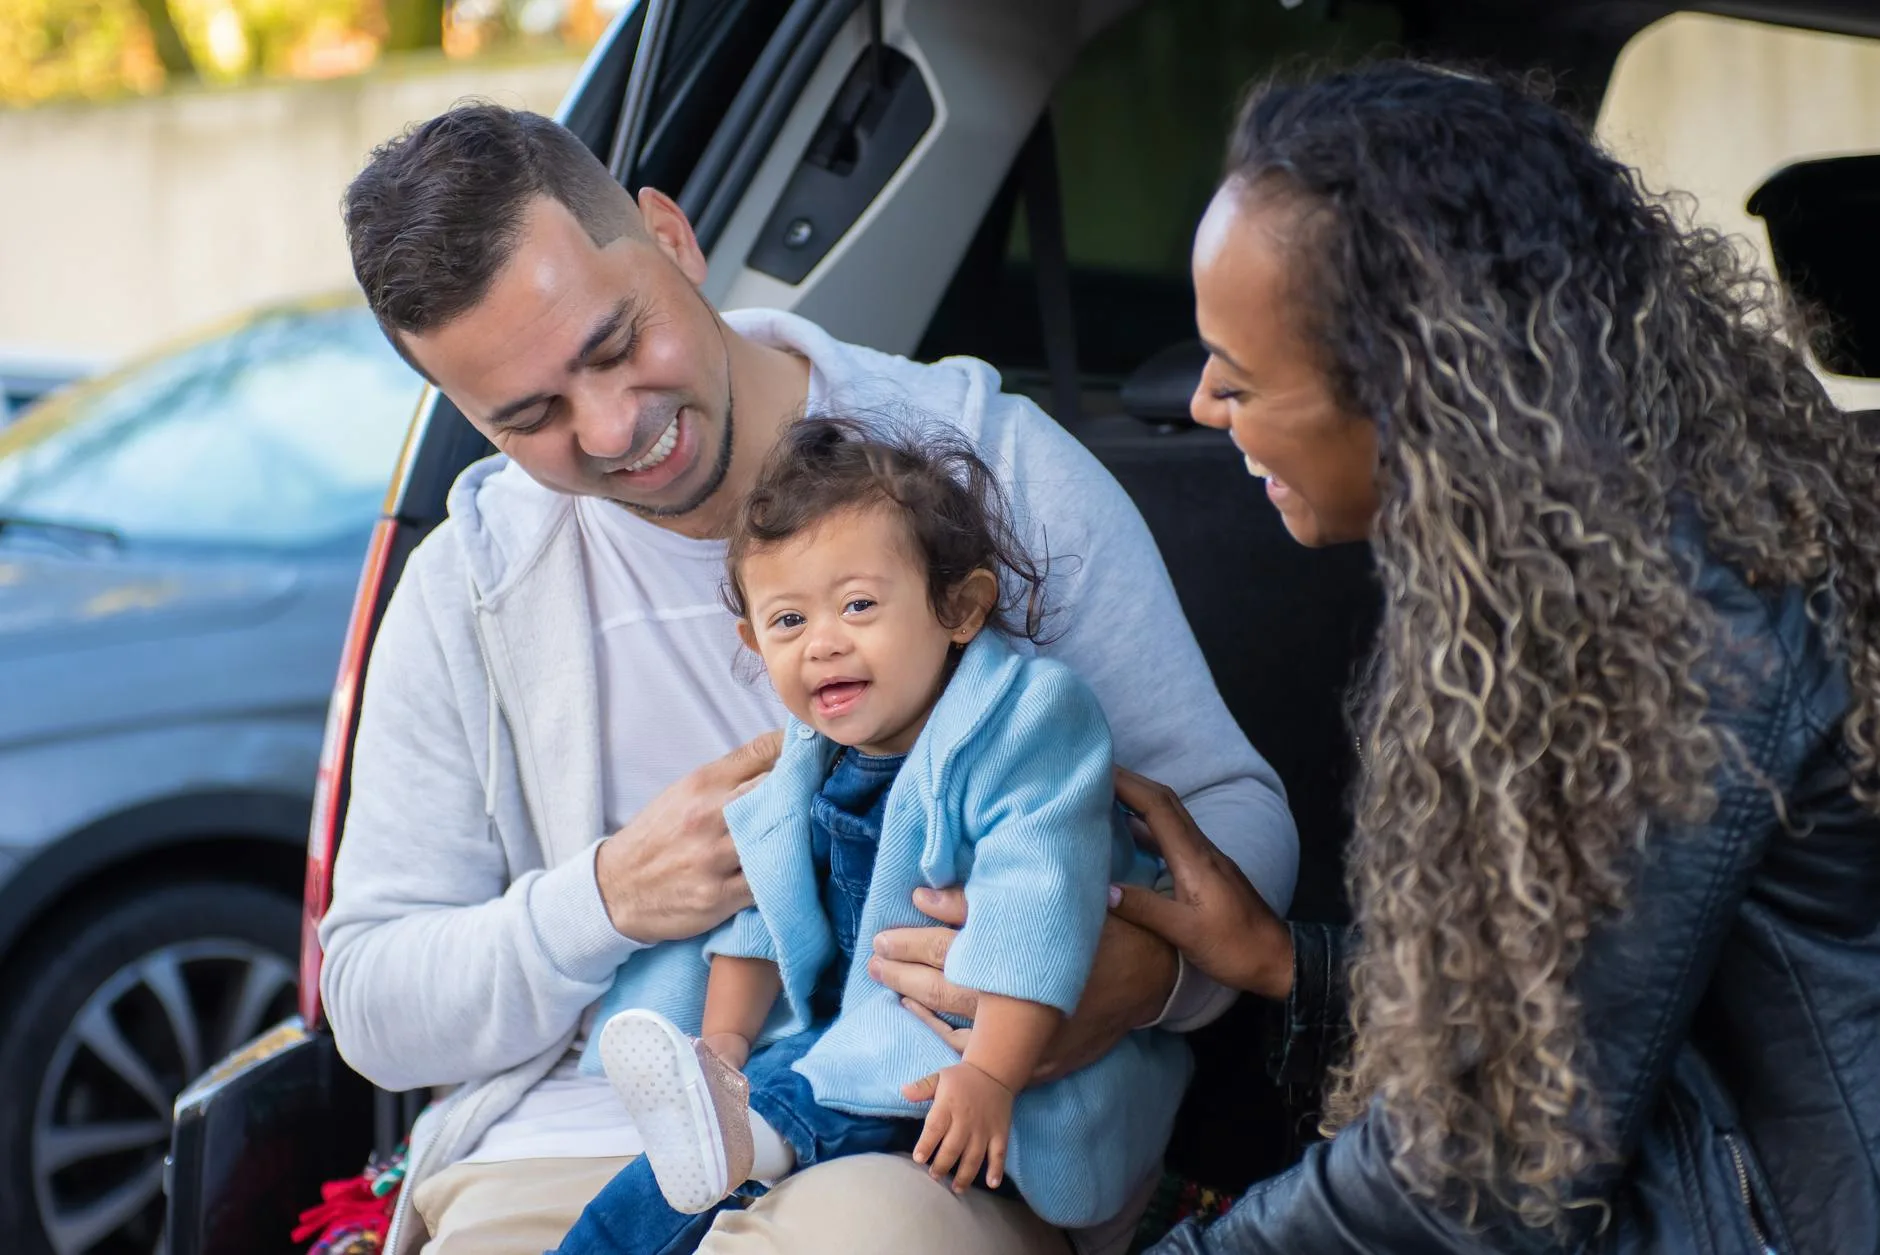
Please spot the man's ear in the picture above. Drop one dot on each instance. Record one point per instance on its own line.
(973, 600)
(748, 637)
(672, 232)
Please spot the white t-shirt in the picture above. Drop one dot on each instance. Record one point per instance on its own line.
(677, 689)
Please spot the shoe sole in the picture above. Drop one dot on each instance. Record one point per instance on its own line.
(654, 1069)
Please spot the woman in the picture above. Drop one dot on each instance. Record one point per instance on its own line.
(1615, 978)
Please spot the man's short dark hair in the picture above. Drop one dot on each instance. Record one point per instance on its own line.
(437, 211)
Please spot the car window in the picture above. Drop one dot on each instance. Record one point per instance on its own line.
(282, 434)
(1140, 125)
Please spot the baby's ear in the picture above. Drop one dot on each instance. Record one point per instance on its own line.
(747, 636)
(973, 600)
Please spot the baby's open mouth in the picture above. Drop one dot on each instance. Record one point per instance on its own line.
(835, 697)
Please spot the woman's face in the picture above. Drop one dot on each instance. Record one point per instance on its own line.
(1265, 385)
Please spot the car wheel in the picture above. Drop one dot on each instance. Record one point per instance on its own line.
(105, 1020)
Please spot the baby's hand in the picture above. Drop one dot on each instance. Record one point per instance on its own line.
(730, 1047)
(968, 1124)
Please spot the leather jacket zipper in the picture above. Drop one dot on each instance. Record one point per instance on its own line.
(1749, 1201)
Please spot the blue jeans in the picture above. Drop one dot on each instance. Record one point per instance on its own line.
(631, 1217)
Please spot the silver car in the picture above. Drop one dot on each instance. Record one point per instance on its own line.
(179, 545)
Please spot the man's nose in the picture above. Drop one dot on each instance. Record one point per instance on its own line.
(605, 420)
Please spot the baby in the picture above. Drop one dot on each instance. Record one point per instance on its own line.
(880, 582)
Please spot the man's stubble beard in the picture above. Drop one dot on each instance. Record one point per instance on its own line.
(721, 465)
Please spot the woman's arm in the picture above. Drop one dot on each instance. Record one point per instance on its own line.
(1639, 983)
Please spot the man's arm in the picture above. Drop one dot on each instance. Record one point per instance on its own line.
(439, 968)
(443, 964)
(1122, 630)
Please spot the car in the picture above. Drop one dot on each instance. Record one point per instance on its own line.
(26, 378)
(179, 545)
(1018, 182)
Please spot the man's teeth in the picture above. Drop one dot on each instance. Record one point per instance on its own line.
(1257, 469)
(659, 452)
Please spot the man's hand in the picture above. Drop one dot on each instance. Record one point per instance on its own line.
(1130, 981)
(967, 1125)
(673, 871)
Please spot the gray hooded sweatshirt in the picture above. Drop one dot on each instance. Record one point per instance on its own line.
(467, 936)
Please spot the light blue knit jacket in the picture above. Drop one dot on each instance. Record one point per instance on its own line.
(1009, 790)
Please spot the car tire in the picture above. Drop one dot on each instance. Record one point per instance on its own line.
(103, 1019)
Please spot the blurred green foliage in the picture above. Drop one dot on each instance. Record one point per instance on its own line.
(58, 49)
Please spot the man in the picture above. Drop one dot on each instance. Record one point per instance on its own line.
(552, 719)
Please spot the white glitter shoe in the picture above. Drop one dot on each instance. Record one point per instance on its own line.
(692, 1109)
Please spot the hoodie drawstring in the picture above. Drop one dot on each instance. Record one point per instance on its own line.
(489, 771)
(493, 710)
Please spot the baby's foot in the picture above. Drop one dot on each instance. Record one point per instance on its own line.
(692, 1110)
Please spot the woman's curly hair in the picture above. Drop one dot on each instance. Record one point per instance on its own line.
(1557, 369)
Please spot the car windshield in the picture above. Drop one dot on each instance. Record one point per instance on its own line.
(282, 434)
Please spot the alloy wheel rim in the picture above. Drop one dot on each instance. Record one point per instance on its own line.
(101, 1124)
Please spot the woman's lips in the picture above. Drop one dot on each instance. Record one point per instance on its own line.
(1276, 488)
(838, 697)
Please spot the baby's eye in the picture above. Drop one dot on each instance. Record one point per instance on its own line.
(789, 620)
(858, 605)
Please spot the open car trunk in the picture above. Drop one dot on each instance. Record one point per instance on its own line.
(761, 115)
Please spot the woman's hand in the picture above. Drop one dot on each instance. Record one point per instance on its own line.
(1130, 981)
(1215, 917)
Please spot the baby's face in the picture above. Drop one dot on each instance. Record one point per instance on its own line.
(841, 617)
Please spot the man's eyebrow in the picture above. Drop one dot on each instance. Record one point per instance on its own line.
(1216, 351)
(604, 330)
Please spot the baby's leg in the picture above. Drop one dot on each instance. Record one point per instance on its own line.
(630, 1216)
(687, 1104)
(782, 1099)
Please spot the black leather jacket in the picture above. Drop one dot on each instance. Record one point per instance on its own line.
(1733, 1010)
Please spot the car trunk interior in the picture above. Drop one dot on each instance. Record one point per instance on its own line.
(1074, 283)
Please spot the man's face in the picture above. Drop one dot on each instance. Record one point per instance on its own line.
(601, 371)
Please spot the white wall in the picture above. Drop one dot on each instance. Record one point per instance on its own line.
(123, 225)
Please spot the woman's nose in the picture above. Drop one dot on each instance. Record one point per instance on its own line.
(1204, 408)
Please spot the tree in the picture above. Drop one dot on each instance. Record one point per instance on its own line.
(413, 24)
(178, 65)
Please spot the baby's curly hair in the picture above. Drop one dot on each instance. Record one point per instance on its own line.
(956, 516)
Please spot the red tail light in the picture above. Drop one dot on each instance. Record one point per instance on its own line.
(335, 755)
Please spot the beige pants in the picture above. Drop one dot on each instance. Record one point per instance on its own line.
(855, 1206)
